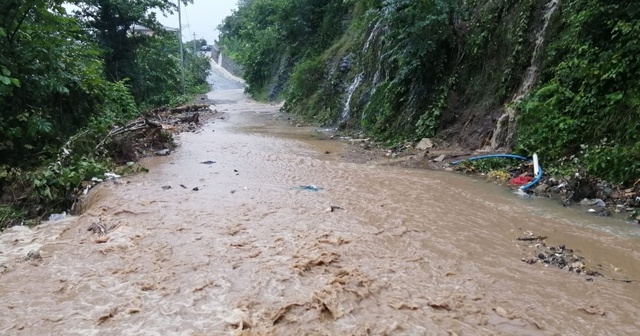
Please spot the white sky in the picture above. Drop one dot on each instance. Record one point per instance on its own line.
(202, 17)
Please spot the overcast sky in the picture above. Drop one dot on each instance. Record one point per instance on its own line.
(202, 17)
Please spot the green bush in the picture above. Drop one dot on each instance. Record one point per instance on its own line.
(588, 105)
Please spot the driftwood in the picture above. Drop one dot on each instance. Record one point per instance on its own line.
(64, 151)
(531, 238)
(189, 108)
(133, 126)
(159, 109)
(157, 112)
(194, 118)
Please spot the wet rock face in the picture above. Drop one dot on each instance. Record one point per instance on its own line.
(281, 78)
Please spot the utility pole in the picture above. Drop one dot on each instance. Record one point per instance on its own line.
(194, 44)
(181, 51)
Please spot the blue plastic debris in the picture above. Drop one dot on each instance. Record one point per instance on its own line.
(309, 188)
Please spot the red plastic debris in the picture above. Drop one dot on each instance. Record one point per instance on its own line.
(520, 180)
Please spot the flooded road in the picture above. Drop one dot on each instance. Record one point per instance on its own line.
(409, 252)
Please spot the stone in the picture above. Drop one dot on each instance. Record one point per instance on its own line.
(33, 255)
(502, 312)
(345, 64)
(541, 188)
(576, 266)
(163, 152)
(603, 212)
(597, 202)
(424, 144)
(440, 158)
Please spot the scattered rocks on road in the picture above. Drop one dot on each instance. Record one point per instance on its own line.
(559, 256)
(333, 208)
(33, 256)
(593, 310)
(98, 228)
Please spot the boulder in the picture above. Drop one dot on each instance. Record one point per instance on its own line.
(424, 144)
(440, 158)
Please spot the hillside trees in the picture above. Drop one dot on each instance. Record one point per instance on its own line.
(449, 68)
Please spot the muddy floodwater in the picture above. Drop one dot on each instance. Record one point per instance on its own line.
(404, 252)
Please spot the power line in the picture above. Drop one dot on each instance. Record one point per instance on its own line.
(181, 50)
(186, 15)
(194, 43)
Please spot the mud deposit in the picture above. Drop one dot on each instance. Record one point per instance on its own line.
(234, 247)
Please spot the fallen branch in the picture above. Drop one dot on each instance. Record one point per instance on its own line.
(625, 280)
(531, 238)
(64, 151)
(190, 108)
(195, 118)
(133, 126)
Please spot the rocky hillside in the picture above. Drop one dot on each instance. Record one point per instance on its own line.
(557, 77)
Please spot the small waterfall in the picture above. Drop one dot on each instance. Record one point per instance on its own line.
(504, 132)
(346, 110)
(374, 33)
(379, 29)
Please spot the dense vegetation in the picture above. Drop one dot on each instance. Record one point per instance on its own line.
(267, 36)
(447, 68)
(67, 78)
(586, 109)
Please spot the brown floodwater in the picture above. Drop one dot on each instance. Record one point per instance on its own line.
(410, 252)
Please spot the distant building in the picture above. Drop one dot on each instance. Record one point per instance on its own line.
(138, 29)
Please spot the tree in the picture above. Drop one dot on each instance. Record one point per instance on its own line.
(55, 84)
(110, 22)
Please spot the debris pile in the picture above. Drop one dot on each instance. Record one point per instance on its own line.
(516, 172)
(152, 134)
(600, 197)
(557, 256)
